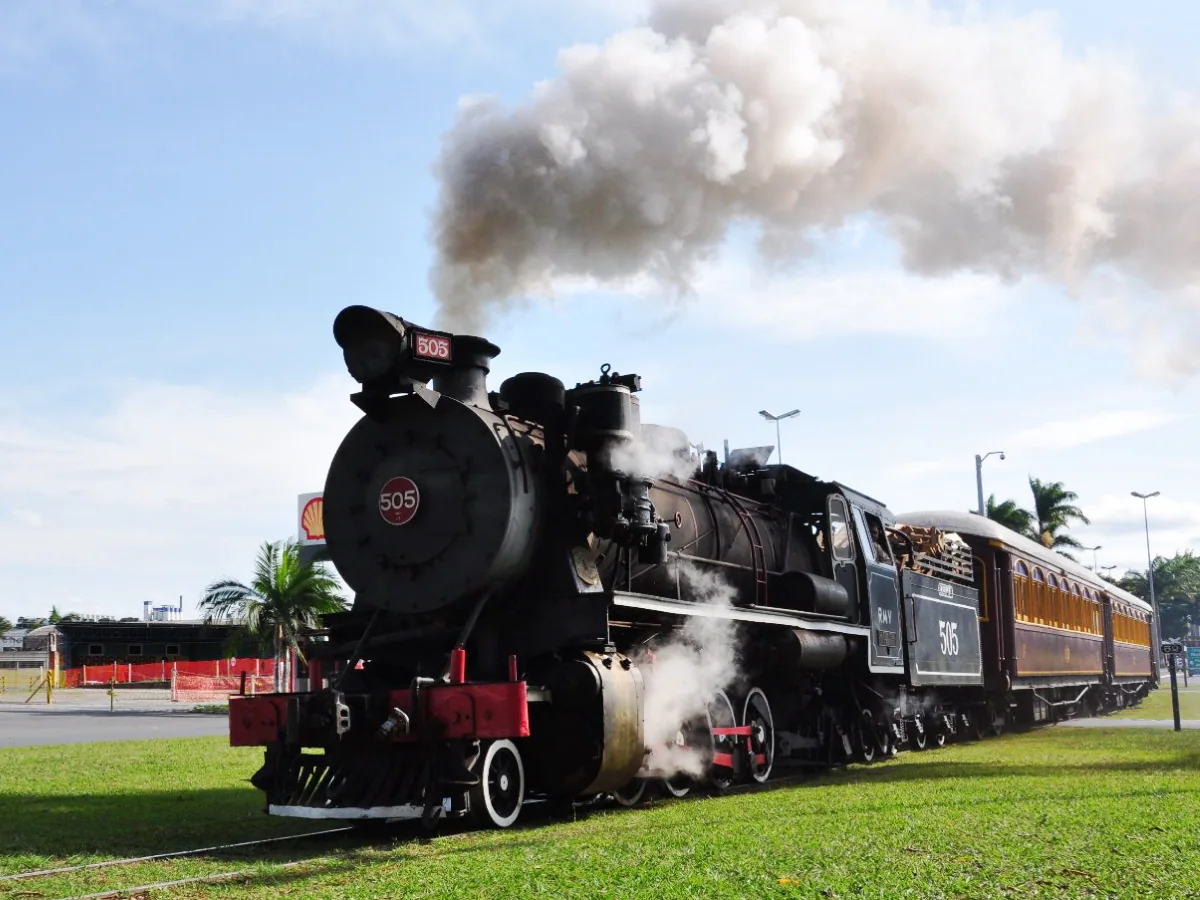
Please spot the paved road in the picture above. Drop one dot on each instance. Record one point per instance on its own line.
(76, 719)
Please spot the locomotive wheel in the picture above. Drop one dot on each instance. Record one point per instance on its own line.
(721, 715)
(679, 786)
(496, 801)
(632, 793)
(864, 732)
(761, 742)
(939, 734)
(919, 737)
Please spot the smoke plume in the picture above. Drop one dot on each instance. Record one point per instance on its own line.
(976, 143)
(685, 672)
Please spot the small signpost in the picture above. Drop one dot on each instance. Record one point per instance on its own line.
(1172, 650)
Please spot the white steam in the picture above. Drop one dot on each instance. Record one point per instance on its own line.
(977, 143)
(685, 673)
(655, 452)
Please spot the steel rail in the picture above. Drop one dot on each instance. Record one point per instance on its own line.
(128, 861)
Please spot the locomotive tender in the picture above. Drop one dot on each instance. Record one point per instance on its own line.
(524, 561)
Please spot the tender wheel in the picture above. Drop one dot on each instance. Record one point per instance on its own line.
(976, 727)
(496, 801)
(632, 793)
(761, 742)
(721, 774)
(997, 719)
(919, 736)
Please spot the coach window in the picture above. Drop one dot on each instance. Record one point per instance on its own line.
(1021, 583)
(839, 529)
(1041, 605)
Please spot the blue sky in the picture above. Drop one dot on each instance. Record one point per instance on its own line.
(190, 197)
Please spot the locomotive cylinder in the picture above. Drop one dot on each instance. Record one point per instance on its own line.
(815, 650)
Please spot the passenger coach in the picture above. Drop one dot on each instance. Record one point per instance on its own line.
(1055, 636)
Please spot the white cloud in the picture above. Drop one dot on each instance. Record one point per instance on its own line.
(1050, 437)
(1063, 435)
(1119, 527)
(803, 307)
(30, 29)
(736, 293)
(171, 487)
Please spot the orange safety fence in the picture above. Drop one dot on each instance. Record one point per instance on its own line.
(218, 687)
(163, 672)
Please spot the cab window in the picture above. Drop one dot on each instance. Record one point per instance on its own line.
(877, 538)
(839, 529)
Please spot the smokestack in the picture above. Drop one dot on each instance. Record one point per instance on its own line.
(975, 143)
(466, 380)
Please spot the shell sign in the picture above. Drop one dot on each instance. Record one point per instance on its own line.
(312, 519)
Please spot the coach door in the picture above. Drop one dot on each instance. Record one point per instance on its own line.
(841, 546)
(883, 592)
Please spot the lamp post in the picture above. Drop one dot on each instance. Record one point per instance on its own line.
(1157, 637)
(1095, 560)
(979, 476)
(1108, 568)
(776, 419)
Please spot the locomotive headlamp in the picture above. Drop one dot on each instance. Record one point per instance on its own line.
(372, 341)
(384, 352)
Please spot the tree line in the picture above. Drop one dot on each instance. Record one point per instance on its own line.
(1176, 578)
(31, 622)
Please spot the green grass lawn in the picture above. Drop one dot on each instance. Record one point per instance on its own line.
(1157, 704)
(1060, 812)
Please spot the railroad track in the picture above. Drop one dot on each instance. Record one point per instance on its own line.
(130, 860)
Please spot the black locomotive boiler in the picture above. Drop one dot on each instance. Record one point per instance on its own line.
(555, 600)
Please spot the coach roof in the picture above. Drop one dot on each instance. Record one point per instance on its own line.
(979, 526)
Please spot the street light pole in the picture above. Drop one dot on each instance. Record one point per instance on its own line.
(1157, 634)
(1095, 559)
(979, 476)
(776, 419)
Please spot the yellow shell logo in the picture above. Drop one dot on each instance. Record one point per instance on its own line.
(312, 519)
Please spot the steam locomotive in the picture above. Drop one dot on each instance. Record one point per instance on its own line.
(553, 600)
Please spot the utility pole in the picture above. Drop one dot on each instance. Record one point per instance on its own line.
(979, 476)
(1156, 635)
(776, 419)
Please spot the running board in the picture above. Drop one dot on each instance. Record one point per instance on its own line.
(763, 615)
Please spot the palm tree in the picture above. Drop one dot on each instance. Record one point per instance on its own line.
(1176, 588)
(1010, 516)
(284, 598)
(1053, 512)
